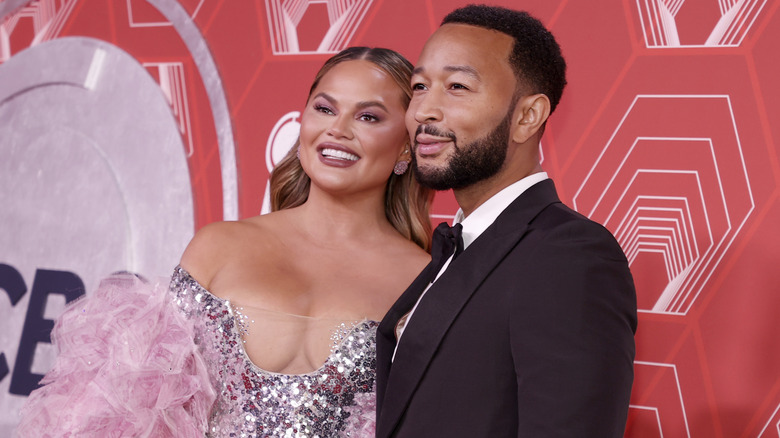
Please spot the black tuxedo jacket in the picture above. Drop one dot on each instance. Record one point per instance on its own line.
(528, 333)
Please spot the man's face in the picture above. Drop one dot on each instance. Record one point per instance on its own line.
(461, 108)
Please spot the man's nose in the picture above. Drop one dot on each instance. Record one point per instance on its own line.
(427, 107)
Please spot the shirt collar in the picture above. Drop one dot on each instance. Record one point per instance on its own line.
(484, 215)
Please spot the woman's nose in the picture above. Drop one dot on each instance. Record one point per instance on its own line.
(341, 127)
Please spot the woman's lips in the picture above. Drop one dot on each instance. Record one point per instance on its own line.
(335, 155)
(339, 154)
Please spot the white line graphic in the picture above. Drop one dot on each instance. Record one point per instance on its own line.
(134, 22)
(284, 17)
(47, 16)
(681, 198)
(173, 85)
(665, 414)
(773, 421)
(661, 26)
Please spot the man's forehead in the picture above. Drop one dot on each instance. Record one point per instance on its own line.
(465, 69)
(468, 34)
(462, 47)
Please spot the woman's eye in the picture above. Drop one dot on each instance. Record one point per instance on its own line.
(368, 118)
(323, 109)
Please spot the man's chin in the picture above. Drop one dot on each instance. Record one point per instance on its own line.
(433, 177)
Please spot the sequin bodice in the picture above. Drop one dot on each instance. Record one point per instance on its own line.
(252, 402)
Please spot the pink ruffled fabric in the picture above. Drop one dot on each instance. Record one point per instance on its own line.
(127, 367)
(362, 420)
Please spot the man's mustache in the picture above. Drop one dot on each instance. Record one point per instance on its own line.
(434, 131)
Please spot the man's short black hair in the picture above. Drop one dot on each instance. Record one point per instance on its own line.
(536, 57)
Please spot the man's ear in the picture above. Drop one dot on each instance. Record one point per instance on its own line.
(531, 113)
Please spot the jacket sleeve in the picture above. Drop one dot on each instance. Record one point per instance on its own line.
(572, 325)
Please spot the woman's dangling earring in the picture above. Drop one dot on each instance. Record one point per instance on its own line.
(401, 166)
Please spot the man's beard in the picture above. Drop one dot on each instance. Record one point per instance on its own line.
(475, 162)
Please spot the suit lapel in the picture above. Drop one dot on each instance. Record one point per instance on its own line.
(445, 299)
(386, 341)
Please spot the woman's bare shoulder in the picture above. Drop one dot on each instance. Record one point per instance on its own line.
(217, 243)
(411, 254)
(404, 261)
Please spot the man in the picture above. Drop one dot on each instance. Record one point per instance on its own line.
(529, 331)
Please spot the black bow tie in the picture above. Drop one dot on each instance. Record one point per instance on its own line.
(446, 240)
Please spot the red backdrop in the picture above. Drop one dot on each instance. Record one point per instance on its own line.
(666, 134)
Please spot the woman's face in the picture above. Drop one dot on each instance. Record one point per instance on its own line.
(352, 129)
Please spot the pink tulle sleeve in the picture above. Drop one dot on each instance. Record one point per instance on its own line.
(127, 367)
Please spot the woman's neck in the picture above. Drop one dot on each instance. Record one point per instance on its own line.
(338, 218)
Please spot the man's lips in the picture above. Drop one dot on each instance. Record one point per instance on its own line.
(430, 145)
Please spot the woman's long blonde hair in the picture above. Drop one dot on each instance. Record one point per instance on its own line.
(406, 202)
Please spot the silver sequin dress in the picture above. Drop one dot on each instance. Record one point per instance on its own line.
(336, 400)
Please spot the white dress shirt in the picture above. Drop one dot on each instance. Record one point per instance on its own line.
(475, 224)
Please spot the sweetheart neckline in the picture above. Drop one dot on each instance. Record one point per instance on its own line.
(355, 325)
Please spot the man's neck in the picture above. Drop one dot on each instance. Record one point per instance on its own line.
(471, 197)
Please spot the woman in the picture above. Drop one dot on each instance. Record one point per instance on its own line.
(284, 306)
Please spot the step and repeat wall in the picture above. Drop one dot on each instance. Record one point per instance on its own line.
(126, 125)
